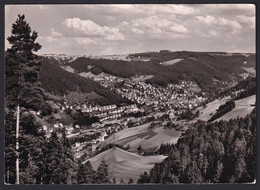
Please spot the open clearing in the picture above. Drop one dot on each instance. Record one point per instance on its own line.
(243, 107)
(88, 75)
(141, 78)
(194, 88)
(149, 139)
(206, 113)
(250, 70)
(171, 62)
(123, 164)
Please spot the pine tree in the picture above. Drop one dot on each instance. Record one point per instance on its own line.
(121, 181)
(218, 172)
(102, 173)
(131, 181)
(114, 180)
(144, 178)
(58, 164)
(21, 87)
(85, 174)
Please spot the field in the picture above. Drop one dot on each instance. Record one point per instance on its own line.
(123, 164)
(206, 113)
(149, 139)
(243, 107)
(171, 62)
(141, 78)
(194, 88)
(250, 70)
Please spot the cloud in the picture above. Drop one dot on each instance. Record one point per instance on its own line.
(152, 9)
(220, 23)
(213, 33)
(178, 28)
(239, 7)
(247, 20)
(167, 9)
(54, 33)
(206, 19)
(137, 31)
(156, 24)
(226, 22)
(113, 28)
(228, 9)
(91, 29)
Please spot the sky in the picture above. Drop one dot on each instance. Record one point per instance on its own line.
(133, 28)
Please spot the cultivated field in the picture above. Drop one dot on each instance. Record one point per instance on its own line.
(171, 62)
(243, 107)
(149, 139)
(123, 164)
(206, 113)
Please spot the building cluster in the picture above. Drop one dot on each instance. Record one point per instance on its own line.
(104, 79)
(174, 96)
(155, 102)
(62, 57)
(110, 111)
(244, 75)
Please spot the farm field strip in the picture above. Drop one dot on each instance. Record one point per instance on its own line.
(144, 137)
(170, 62)
(242, 108)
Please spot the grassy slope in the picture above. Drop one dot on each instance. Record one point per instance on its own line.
(147, 138)
(242, 108)
(206, 113)
(123, 164)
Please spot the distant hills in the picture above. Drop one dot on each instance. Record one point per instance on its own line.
(212, 71)
(201, 67)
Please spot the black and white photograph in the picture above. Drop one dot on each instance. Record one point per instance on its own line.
(130, 94)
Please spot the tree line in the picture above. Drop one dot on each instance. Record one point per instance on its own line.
(219, 152)
(223, 109)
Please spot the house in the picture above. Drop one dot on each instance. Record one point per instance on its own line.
(44, 128)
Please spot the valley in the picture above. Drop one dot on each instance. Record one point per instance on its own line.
(128, 94)
(129, 130)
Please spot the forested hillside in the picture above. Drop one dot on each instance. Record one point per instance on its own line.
(58, 81)
(201, 67)
(115, 67)
(220, 152)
